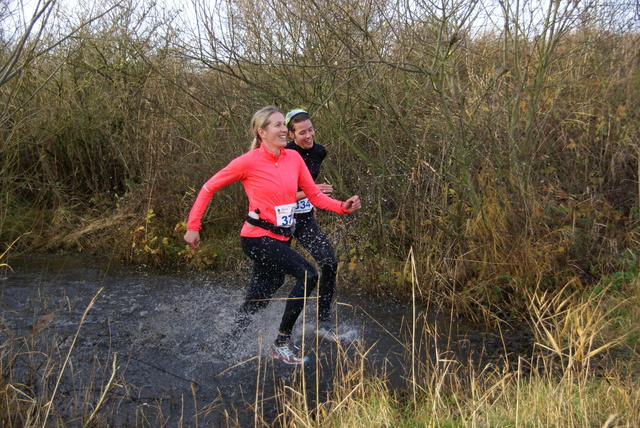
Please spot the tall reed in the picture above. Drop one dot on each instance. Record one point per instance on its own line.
(570, 378)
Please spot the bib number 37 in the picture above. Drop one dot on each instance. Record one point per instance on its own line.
(284, 215)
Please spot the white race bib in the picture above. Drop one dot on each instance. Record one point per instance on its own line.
(284, 215)
(303, 206)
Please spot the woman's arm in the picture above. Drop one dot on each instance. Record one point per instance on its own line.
(319, 198)
(234, 171)
(325, 188)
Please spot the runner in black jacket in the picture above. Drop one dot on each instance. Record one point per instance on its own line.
(307, 230)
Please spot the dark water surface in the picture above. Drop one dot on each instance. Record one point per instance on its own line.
(166, 331)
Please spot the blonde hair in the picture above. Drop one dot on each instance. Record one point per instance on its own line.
(261, 120)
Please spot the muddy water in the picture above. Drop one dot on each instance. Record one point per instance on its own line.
(165, 331)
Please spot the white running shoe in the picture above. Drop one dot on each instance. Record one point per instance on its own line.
(288, 352)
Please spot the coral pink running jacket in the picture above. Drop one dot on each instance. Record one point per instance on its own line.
(269, 181)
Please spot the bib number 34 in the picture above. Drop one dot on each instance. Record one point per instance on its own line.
(303, 206)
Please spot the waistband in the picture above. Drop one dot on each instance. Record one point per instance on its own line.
(254, 220)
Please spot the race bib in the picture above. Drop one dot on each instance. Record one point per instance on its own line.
(284, 215)
(303, 206)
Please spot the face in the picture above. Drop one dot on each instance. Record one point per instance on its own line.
(303, 134)
(274, 136)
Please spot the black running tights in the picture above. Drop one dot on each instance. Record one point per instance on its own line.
(271, 260)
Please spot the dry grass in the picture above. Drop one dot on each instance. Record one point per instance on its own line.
(579, 375)
(33, 368)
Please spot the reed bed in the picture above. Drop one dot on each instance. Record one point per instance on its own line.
(581, 370)
(576, 375)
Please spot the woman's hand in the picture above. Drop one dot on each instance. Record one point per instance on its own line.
(325, 188)
(192, 237)
(352, 204)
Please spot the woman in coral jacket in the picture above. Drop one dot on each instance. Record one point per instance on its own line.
(271, 177)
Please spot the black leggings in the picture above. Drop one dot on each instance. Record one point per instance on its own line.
(272, 259)
(313, 239)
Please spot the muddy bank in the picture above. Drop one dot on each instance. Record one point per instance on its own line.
(165, 333)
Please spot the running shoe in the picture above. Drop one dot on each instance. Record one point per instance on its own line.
(288, 352)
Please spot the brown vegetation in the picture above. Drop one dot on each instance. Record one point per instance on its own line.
(497, 162)
(504, 157)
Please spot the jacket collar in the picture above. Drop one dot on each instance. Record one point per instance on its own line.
(270, 155)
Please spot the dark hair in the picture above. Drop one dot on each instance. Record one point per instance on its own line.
(299, 117)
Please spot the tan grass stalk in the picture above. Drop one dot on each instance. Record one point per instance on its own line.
(6, 250)
(303, 379)
(414, 285)
(192, 387)
(256, 414)
(108, 387)
(49, 404)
